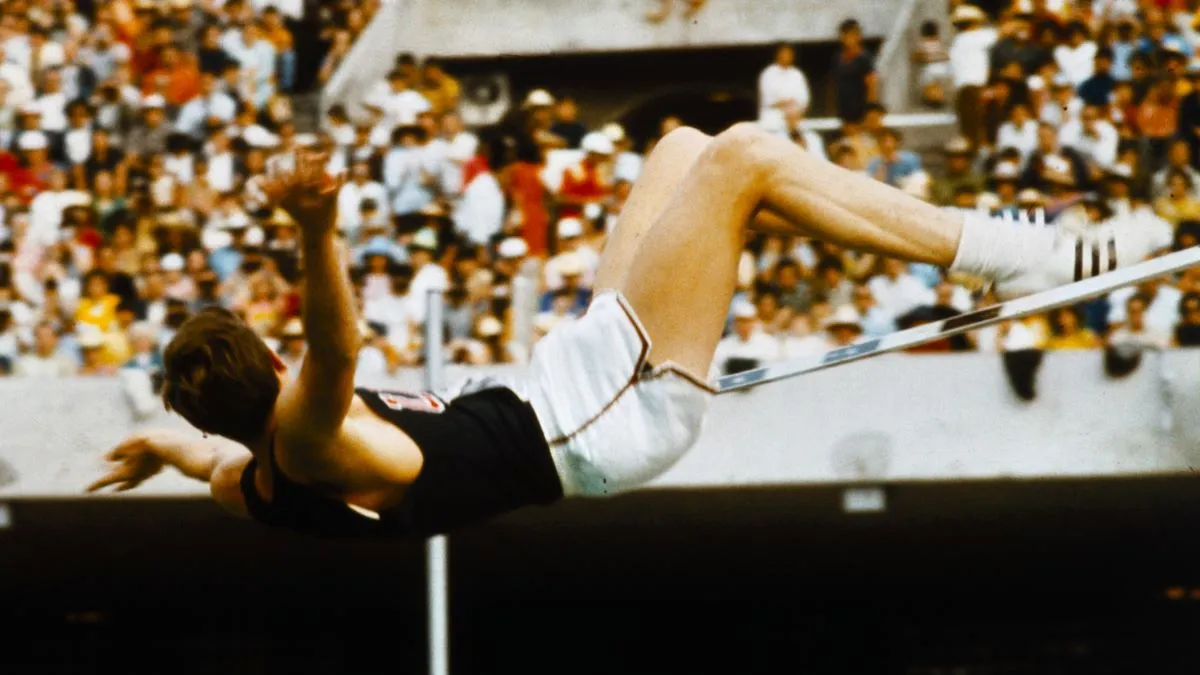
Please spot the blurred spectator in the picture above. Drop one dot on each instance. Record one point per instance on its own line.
(933, 61)
(1187, 331)
(45, 359)
(1159, 308)
(748, 347)
(893, 165)
(566, 122)
(782, 87)
(959, 173)
(574, 252)
(1180, 202)
(590, 180)
(1136, 333)
(1067, 331)
(843, 327)
(874, 320)
(854, 74)
(800, 340)
(896, 290)
(970, 65)
(570, 268)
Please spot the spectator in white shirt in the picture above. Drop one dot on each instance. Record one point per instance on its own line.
(782, 86)
(1077, 58)
(427, 274)
(44, 53)
(77, 143)
(749, 346)
(397, 104)
(210, 104)
(359, 187)
(1093, 137)
(800, 340)
(571, 244)
(897, 291)
(970, 66)
(104, 53)
(458, 146)
(627, 164)
(46, 360)
(52, 104)
(1136, 333)
(222, 162)
(20, 86)
(1159, 309)
(479, 213)
(1019, 132)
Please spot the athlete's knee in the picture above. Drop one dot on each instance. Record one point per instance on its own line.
(742, 150)
(682, 141)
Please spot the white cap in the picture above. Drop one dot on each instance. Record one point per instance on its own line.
(425, 238)
(569, 264)
(305, 140)
(33, 140)
(513, 247)
(614, 131)
(1006, 171)
(744, 309)
(843, 316)
(213, 238)
(1029, 196)
(596, 142)
(569, 227)
(31, 108)
(154, 101)
(538, 98)
(294, 328)
(236, 221)
(489, 326)
(172, 262)
(258, 137)
(254, 237)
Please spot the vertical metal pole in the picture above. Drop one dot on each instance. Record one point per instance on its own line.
(436, 549)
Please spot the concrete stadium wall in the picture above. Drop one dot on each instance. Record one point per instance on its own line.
(892, 419)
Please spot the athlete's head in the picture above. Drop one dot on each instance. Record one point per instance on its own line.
(221, 377)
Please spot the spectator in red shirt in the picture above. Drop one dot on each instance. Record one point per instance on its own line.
(589, 181)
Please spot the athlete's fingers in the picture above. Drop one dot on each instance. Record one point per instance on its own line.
(112, 478)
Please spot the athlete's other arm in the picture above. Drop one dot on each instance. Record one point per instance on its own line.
(216, 461)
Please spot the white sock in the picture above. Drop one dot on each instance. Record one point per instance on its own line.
(995, 249)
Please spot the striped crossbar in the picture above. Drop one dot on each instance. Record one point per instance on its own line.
(1012, 309)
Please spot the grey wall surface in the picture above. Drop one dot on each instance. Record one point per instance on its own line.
(891, 419)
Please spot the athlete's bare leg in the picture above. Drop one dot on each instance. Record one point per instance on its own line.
(675, 250)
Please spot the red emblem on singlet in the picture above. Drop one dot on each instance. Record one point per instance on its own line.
(414, 401)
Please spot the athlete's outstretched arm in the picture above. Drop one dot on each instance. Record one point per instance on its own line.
(214, 460)
(313, 407)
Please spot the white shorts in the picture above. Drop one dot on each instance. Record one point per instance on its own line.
(612, 423)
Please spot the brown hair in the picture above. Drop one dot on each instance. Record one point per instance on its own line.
(220, 376)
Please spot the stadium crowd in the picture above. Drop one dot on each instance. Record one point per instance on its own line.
(132, 133)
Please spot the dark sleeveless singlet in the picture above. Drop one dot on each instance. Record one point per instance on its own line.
(484, 455)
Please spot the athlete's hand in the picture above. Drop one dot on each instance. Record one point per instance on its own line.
(308, 194)
(136, 459)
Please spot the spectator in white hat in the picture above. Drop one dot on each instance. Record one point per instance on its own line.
(455, 147)
(570, 268)
(179, 285)
(843, 327)
(627, 164)
(572, 248)
(970, 66)
(150, 137)
(428, 275)
(896, 290)
(590, 180)
(748, 346)
(782, 87)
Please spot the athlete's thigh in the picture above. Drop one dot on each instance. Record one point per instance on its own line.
(663, 172)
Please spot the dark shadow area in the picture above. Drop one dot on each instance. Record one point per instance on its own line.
(1056, 577)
